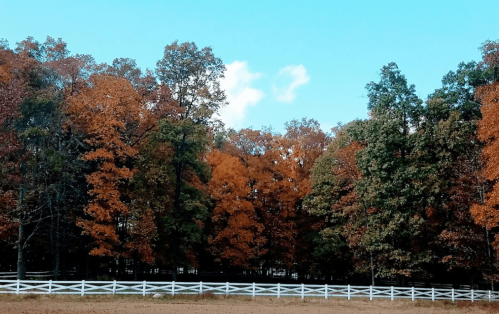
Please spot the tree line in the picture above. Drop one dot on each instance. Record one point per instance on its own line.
(111, 167)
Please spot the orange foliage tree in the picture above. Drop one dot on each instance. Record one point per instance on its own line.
(237, 236)
(273, 177)
(487, 214)
(105, 111)
(287, 162)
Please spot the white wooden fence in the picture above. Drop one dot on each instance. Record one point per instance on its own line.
(249, 289)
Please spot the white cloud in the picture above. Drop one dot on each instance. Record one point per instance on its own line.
(288, 80)
(240, 95)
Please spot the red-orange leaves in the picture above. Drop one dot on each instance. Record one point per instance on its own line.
(8, 203)
(6, 64)
(106, 112)
(488, 131)
(142, 230)
(237, 236)
(490, 52)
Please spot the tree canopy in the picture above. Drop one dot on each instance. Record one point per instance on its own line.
(108, 171)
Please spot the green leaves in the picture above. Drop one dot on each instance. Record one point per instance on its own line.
(193, 76)
(391, 175)
(189, 141)
(394, 97)
(183, 221)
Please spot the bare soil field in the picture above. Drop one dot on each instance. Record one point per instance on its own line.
(32, 304)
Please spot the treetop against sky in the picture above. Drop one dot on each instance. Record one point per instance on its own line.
(284, 60)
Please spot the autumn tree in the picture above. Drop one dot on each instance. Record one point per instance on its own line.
(486, 214)
(244, 150)
(73, 71)
(490, 54)
(105, 111)
(272, 181)
(51, 182)
(237, 238)
(277, 169)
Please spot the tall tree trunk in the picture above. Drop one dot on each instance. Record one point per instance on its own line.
(176, 214)
(21, 267)
(490, 259)
(64, 248)
(87, 266)
(121, 267)
(370, 251)
(372, 269)
(135, 269)
(57, 258)
(174, 273)
(179, 167)
(52, 239)
(81, 258)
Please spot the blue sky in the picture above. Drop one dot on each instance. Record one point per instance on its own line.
(285, 59)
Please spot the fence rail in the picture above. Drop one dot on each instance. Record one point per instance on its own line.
(249, 289)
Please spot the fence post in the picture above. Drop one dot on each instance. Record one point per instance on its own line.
(253, 290)
(489, 295)
(114, 287)
(200, 287)
(452, 295)
(472, 296)
(50, 286)
(348, 292)
(433, 294)
(391, 294)
(173, 288)
(82, 287)
(227, 288)
(302, 291)
(370, 293)
(17, 288)
(412, 293)
(325, 292)
(278, 290)
(144, 288)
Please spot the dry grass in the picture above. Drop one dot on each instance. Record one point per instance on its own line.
(215, 304)
(464, 306)
(209, 297)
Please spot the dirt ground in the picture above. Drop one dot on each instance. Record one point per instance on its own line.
(32, 304)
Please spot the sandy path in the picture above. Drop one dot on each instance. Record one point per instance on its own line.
(108, 305)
